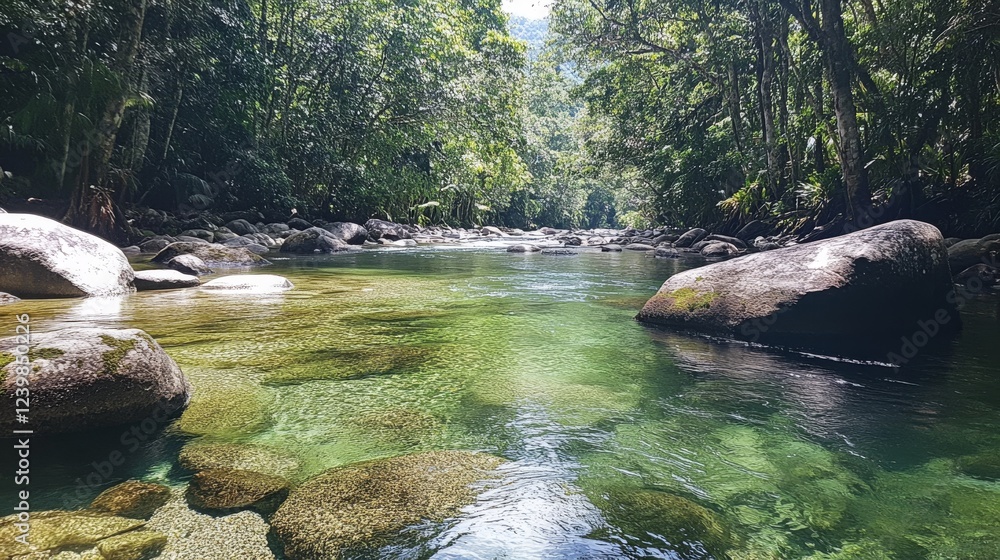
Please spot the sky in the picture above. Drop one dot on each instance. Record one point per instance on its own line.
(534, 9)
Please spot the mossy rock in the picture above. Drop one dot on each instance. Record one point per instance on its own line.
(202, 456)
(224, 411)
(55, 530)
(687, 526)
(363, 504)
(982, 465)
(229, 490)
(135, 545)
(134, 499)
(690, 299)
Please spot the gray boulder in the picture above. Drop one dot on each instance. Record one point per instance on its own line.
(241, 227)
(87, 378)
(189, 264)
(868, 286)
(380, 229)
(690, 238)
(40, 257)
(213, 255)
(719, 249)
(156, 244)
(611, 248)
(523, 248)
(6, 299)
(968, 252)
(639, 247)
(202, 234)
(146, 280)
(299, 224)
(736, 242)
(313, 240)
(352, 234)
(191, 239)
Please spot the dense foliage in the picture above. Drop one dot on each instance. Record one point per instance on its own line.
(796, 111)
(400, 109)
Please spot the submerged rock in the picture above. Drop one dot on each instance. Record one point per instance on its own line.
(363, 504)
(163, 280)
(984, 465)
(42, 258)
(196, 536)
(246, 457)
(59, 530)
(134, 499)
(257, 283)
(233, 489)
(213, 255)
(134, 545)
(869, 285)
(687, 526)
(86, 378)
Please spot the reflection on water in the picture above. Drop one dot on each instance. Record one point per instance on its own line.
(623, 441)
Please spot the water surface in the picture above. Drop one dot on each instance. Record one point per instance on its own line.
(623, 441)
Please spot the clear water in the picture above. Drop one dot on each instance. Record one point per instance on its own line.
(623, 441)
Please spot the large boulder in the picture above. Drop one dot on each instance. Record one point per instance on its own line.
(363, 504)
(313, 240)
(719, 249)
(870, 286)
(352, 234)
(241, 227)
(216, 256)
(968, 252)
(381, 229)
(40, 257)
(146, 280)
(189, 264)
(61, 531)
(86, 378)
(132, 498)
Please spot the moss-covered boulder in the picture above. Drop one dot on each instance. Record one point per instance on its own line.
(871, 287)
(134, 545)
(213, 255)
(86, 378)
(232, 489)
(364, 504)
(56, 530)
(133, 498)
(204, 456)
(687, 526)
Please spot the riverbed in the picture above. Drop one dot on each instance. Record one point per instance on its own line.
(623, 441)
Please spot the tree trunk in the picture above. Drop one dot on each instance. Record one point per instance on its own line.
(92, 206)
(765, 51)
(839, 63)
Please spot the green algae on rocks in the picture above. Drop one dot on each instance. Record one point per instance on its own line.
(62, 530)
(362, 505)
(233, 489)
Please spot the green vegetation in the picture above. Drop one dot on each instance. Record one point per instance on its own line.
(119, 348)
(690, 299)
(794, 111)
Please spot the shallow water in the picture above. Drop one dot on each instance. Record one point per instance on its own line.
(623, 441)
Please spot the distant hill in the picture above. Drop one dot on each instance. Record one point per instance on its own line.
(531, 31)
